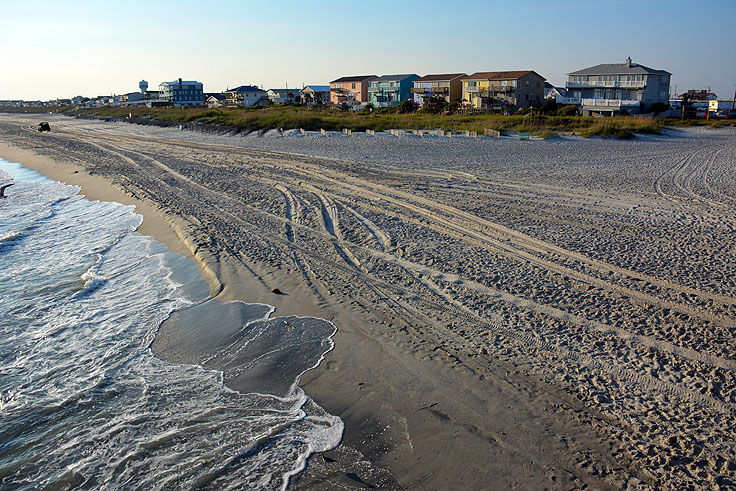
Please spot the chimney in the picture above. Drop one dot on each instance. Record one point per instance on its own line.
(180, 79)
(628, 63)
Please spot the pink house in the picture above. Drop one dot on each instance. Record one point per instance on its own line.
(347, 89)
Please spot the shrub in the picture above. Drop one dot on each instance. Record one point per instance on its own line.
(406, 107)
(567, 110)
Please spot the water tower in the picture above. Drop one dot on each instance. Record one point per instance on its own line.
(143, 85)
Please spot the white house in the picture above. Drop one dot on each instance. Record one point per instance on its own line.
(315, 94)
(247, 96)
(280, 96)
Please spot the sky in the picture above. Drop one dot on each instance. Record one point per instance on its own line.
(60, 49)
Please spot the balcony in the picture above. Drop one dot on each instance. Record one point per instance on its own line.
(568, 100)
(430, 90)
(621, 84)
(609, 103)
(338, 89)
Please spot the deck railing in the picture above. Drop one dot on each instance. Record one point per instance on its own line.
(616, 84)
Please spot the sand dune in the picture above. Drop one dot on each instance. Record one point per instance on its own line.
(511, 313)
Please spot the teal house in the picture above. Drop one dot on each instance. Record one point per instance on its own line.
(389, 90)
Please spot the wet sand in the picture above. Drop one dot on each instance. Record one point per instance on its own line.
(511, 314)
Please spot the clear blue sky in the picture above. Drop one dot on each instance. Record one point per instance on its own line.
(61, 48)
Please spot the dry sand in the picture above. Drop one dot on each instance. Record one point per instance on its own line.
(511, 314)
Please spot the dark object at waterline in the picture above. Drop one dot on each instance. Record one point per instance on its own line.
(44, 126)
(3, 188)
(277, 291)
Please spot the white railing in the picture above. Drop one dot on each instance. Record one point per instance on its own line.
(609, 102)
(597, 102)
(624, 84)
(568, 100)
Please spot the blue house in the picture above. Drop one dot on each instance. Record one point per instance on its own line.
(389, 90)
(182, 93)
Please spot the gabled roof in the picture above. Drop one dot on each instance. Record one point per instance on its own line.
(396, 78)
(619, 69)
(246, 88)
(318, 88)
(508, 75)
(354, 78)
(216, 95)
(440, 78)
(277, 91)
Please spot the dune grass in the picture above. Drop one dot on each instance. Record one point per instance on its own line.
(288, 117)
(296, 116)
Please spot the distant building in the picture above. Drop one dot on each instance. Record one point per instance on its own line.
(699, 95)
(315, 94)
(215, 99)
(553, 93)
(282, 96)
(444, 88)
(182, 93)
(246, 96)
(611, 88)
(350, 90)
(496, 90)
(390, 90)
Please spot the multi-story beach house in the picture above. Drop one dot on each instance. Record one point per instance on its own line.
(315, 94)
(352, 89)
(246, 96)
(282, 96)
(445, 88)
(611, 88)
(390, 90)
(500, 90)
(182, 93)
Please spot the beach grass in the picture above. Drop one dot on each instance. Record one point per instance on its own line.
(312, 119)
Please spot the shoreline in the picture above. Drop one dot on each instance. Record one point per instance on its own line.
(171, 231)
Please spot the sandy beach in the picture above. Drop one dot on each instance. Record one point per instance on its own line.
(511, 314)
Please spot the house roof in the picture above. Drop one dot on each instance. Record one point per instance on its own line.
(183, 82)
(442, 77)
(246, 88)
(318, 88)
(398, 77)
(354, 78)
(619, 69)
(277, 91)
(217, 95)
(508, 75)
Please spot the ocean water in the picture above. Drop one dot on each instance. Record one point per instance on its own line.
(84, 401)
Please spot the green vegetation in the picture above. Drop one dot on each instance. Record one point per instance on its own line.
(404, 117)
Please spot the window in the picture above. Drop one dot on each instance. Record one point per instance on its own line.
(353, 84)
(527, 83)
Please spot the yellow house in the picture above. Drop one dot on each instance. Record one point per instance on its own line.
(496, 90)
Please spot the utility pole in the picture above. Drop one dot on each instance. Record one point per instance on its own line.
(733, 105)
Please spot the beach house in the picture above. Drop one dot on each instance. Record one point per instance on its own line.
(445, 88)
(182, 93)
(390, 90)
(246, 96)
(315, 94)
(215, 99)
(500, 90)
(282, 96)
(352, 89)
(611, 88)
